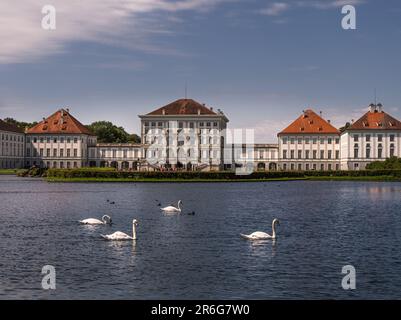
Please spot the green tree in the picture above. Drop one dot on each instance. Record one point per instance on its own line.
(20, 124)
(134, 138)
(390, 163)
(107, 132)
(347, 125)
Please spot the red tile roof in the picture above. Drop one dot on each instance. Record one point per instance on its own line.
(183, 107)
(60, 122)
(4, 126)
(309, 122)
(376, 120)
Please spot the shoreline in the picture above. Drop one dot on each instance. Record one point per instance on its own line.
(169, 180)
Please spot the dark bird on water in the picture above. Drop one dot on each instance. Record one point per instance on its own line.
(191, 213)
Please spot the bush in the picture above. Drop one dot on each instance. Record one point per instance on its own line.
(214, 175)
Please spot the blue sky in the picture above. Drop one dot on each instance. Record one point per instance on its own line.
(261, 62)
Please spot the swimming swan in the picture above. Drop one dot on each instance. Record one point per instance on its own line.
(105, 220)
(258, 235)
(172, 208)
(118, 235)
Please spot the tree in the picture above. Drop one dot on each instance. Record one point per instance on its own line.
(347, 125)
(390, 163)
(20, 124)
(107, 132)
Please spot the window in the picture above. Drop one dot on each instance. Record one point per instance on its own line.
(285, 140)
(68, 165)
(114, 153)
(314, 154)
(380, 137)
(337, 154)
(329, 167)
(62, 140)
(321, 140)
(356, 138)
(75, 152)
(299, 166)
(306, 154)
(41, 152)
(322, 167)
(314, 140)
(380, 151)
(180, 125)
(284, 166)
(292, 154)
(61, 164)
(337, 140)
(284, 154)
(191, 125)
(392, 137)
(299, 140)
(201, 124)
(207, 124)
(299, 154)
(34, 139)
(367, 137)
(68, 141)
(41, 140)
(48, 139)
(392, 150)
(68, 153)
(368, 151)
(75, 140)
(61, 153)
(292, 167)
(307, 167)
(214, 124)
(356, 152)
(54, 152)
(307, 140)
(329, 140)
(28, 152)
(48, 152)
(329, 152)
(55, 140)
(321, 154)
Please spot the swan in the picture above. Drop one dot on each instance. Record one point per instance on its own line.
(258, 235)
(105, 220)
(172, 208)
(118, 235)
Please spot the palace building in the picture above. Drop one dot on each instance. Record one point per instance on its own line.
(187, 135)
(184, 134)
(12, 146)
(309, 143)
(374, 137)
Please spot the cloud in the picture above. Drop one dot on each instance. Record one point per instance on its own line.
(328, 4)
(275, 9)
(114, 22)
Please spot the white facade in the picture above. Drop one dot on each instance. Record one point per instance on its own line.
(58, 150)
(191, 141)
(124, 156)
(309, 152)
(11, 149)
(359, 148)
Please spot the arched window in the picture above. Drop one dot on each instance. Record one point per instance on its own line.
(368, 151)
(392, 149)
(380, 151)
(356, 150)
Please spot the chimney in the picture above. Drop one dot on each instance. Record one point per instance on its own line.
(329, 121)
(68, 110)
(320, 113)
(163, 112)
(199, 111)
(372, 107)
(211, 108)
(379, 107)
(352, 121)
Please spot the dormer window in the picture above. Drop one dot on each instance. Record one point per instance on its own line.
(302, 128)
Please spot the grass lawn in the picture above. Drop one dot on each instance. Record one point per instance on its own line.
(8, 171)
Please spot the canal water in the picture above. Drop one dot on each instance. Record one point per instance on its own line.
(324, 226)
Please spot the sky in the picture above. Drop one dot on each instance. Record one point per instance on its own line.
(261, 62)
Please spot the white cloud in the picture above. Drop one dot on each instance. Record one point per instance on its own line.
(118, 22)
(328, 4)
(275, 9)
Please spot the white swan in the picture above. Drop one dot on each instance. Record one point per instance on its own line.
(172, 208)
(258, 235)
(118, 235)
(105, 220)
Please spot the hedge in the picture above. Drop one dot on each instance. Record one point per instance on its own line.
(224, 175)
